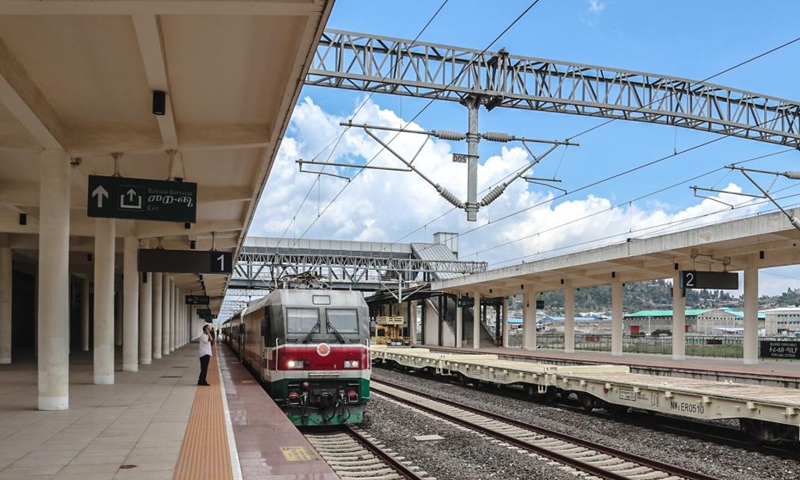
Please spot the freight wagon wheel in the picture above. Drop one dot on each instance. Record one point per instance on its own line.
(766, 432)
(614, 409)
(588, 402)
(548, 396)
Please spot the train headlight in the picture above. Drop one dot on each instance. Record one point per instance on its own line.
(294, 364)
(351, 364)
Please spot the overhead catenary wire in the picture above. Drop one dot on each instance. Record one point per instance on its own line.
(424, 108)
(666, 226)
(339, 138)
(674, 154)
(617, 205)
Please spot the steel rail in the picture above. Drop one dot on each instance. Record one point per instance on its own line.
(385, 457)
(646, 462)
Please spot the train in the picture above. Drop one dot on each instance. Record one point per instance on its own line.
(310, 349)
(768, 415)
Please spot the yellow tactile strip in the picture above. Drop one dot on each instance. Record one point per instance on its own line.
(205, 453)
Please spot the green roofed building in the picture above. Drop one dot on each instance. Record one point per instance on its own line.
(712, 321)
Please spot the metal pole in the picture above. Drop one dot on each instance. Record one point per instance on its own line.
(473, 137)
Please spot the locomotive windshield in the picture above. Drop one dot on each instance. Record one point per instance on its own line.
(343, 321)
(301, 320)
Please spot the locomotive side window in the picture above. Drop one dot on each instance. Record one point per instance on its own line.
(266, 327)
(343, 321)
(301, 320)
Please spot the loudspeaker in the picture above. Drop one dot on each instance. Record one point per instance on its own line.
(159, 102)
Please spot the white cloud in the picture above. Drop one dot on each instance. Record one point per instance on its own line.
(378, 205)
(596, 6)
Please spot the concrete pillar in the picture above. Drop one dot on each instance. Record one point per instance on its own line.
(104, 301)
(158, 298)
(130, 315)
(145, 318)
(750, 340)
(412, 321)
(5, 305)
(36, 314)
(616, 319)
(165, 316)
(459, 324)
(53, 281)
(117, 318)
(678, 319)
(529, 321)
(173, 323)
(505, 321)
(569, 320)
(476, 321)
(85, 287)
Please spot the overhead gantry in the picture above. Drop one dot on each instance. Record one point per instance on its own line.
(372, 63)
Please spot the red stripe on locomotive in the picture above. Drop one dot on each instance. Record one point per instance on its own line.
(312, 360)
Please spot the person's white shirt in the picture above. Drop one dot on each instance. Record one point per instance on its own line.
(205, 345)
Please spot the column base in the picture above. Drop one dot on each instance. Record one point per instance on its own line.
(132, 367)
(679, 357)
(157, 356)
(54, 403)
(616, 354)
(5, 361)
(145, 361)
(570, 350)
(751, 361)
(103, 379)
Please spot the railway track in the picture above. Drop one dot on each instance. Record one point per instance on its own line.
(354, 455)
(595, 460)
(698, 430)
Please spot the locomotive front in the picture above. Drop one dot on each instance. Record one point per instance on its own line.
(316, 355)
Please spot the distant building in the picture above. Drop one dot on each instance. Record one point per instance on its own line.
(713, 321)
(594, 325)
(779, 321)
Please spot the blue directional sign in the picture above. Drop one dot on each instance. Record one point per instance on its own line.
(142, 199)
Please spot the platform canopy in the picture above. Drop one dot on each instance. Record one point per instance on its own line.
(79, 76)
(760, 241)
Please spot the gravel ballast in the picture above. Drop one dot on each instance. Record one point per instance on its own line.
(464, 455)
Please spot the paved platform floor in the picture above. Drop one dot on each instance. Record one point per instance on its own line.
(130, 430)
(156, 424)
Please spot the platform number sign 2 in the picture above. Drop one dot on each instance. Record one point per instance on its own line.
(221, 262)
(689, 279)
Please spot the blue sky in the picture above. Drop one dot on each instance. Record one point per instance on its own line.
(681, 38)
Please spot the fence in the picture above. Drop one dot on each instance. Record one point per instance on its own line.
(726, 346)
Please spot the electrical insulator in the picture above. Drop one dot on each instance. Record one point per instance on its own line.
(449, 196)
(448, 135)
(795, 223)
(498, 137)
(493, 194)
(794, 175)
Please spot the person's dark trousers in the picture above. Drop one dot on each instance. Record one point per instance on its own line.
(203, 369)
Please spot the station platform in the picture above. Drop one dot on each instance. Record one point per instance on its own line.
(151, 425)
(782, 373)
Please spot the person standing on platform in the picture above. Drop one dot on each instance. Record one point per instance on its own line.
(206, 341)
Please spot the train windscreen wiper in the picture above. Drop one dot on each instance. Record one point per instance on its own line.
(311, 333)
(335, 332)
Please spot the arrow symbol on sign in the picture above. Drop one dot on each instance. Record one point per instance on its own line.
(131, 194)
(99, 192)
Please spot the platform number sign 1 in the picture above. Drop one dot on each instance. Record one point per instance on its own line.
(221, 262)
